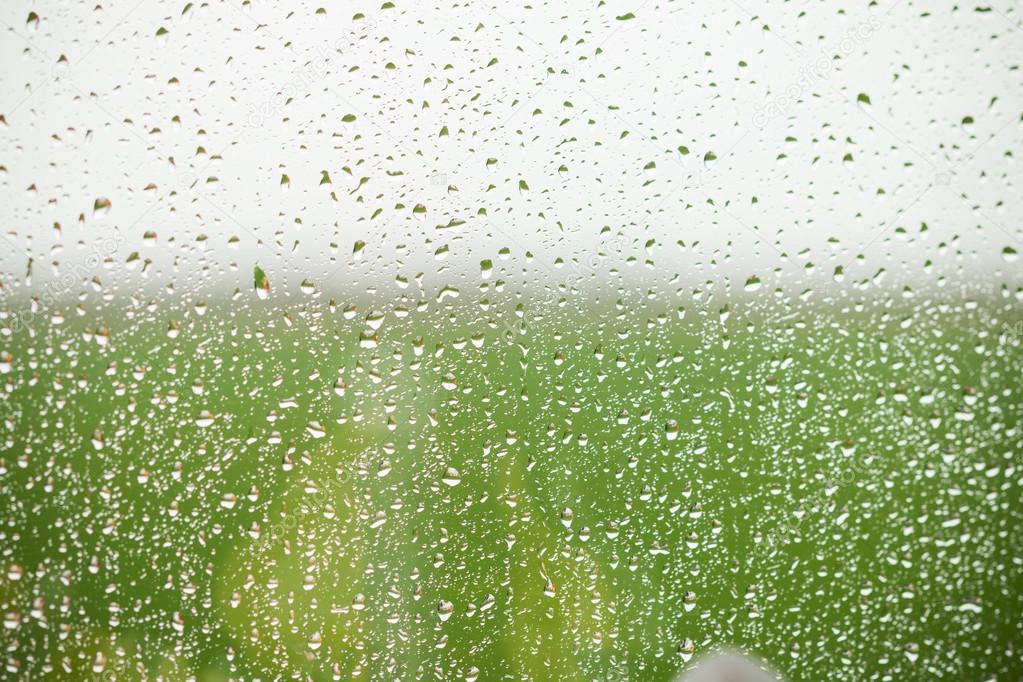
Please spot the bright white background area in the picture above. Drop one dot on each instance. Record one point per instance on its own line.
(185, 116)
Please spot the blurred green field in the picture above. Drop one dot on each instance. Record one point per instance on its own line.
(835, 489)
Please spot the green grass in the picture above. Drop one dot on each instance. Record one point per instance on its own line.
(843, 491)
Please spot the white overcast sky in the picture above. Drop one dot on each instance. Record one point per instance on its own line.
(186, 121)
